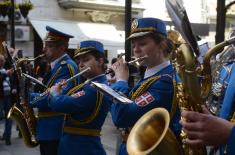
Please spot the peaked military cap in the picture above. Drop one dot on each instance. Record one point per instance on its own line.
(144, 26)
(56, 35)
(89, 46)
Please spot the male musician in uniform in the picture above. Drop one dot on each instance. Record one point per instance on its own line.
(148, 38)
(86, 107)
(49, 123)
(225, 99)
(205, 129)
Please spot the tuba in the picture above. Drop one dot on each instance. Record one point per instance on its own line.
(25, 118)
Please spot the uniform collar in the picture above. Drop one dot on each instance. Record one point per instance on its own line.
(53, 63)
(152, 71)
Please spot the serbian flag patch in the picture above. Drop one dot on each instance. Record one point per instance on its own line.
(144, 99)
(78, 94)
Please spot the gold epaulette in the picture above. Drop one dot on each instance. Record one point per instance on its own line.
(81, 131)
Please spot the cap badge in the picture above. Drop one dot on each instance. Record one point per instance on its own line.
(134, 24)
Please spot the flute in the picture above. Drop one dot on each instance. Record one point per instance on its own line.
(76, 75)
(129, 63)
(68, 80)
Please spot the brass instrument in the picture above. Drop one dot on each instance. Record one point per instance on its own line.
(192, 93)
(25, 119)
(20, 61)
(219, 85)
(188, 91)
(206, 70)
(151, 135)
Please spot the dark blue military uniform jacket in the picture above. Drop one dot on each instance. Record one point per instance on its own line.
(87, 109)
(158, 94)
(49, 123)
(228, 105)
(229, 97)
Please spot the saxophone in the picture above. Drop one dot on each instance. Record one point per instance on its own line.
(193, 91)
(25, 118)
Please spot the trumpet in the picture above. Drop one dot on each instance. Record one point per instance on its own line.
(135, 61)
(45, 93)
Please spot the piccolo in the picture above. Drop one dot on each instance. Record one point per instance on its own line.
(129, 63)
(45, 93)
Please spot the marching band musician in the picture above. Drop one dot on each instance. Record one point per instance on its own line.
(148, 38)
(205, 129)
(86, 108)
(49, 123)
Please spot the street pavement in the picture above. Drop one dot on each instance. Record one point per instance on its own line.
(109, 139)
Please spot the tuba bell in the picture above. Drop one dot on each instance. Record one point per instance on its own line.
(151, 135)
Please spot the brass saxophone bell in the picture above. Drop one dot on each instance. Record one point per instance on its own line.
(151, 135)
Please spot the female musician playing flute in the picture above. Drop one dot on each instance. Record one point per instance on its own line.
(148, 38)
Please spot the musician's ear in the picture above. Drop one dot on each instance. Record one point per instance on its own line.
(101, 61)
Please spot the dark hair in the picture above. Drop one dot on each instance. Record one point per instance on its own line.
(98, 56)
(159, 38)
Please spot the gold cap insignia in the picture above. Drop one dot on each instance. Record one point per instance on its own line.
(134, 24)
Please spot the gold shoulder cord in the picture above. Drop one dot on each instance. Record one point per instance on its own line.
(143, 87)
(232, 120)
(146, 84)
(72, 73)
(52, 79)
(96, 109)
(75, 89)
(95, 112)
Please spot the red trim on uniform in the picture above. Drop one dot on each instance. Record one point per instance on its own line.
(58, 37)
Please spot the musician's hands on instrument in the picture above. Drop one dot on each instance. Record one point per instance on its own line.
(121, 70)
(205, 129)
(58, 87)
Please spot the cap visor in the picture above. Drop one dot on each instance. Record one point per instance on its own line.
(82, 53)
(138, 34)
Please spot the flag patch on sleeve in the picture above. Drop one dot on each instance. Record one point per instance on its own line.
(78, 94)
(144, 99)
